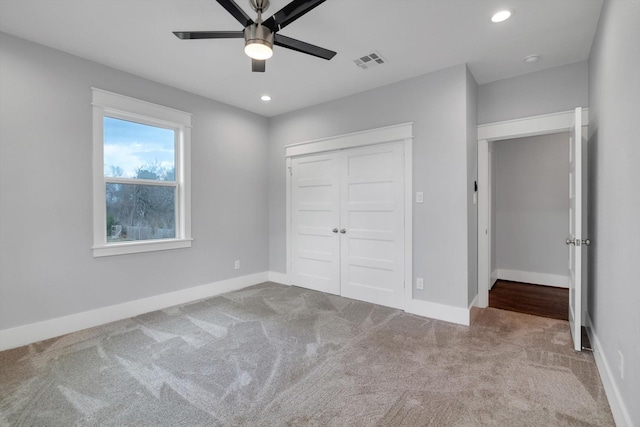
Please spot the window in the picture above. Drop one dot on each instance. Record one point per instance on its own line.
(141, 176)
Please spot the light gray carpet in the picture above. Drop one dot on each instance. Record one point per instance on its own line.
(278, 355)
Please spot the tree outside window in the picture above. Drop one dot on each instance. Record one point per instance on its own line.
(140, 181)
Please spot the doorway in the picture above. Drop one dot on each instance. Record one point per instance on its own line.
(529, 222)
(527, 127)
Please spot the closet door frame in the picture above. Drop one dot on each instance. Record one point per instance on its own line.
(401, 132)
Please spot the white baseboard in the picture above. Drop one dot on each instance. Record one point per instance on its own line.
(533, 278)
(494, 277)
(433, 310)
(620, 413)
(27, 334)
(419, 307)
(474, 310)
(276, 277)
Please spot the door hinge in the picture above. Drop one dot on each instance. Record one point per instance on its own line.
(290, 170)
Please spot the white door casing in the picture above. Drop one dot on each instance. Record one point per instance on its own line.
(575, 239)
(510, 129)
(366, 215)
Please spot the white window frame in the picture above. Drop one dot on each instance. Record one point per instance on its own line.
(111, 104)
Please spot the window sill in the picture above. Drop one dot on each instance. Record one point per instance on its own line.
(138, 247)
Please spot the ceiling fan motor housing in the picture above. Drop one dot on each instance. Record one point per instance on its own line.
(257, 33)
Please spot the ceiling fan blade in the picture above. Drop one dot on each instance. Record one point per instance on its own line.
(290, 13)
(236, 11)
(303, 47)
(194, 35)
(258, 66)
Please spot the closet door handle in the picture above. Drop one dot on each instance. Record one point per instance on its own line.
(344, 230)
(335, 230)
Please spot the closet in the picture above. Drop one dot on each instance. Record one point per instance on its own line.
(347, 230)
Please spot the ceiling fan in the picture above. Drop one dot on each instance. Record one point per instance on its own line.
(260, 36)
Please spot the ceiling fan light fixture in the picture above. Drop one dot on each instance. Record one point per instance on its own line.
(257, 50)
(258, 42)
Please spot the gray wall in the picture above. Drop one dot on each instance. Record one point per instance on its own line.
(46, 265)
(472, 178)
(614, 197)
(437, 104)
(549, 91)
(531, 210)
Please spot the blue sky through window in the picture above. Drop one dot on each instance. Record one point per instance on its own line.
(129, 146)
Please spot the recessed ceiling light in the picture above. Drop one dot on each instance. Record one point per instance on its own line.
(501, 16)
(531, 59)
(265, 98)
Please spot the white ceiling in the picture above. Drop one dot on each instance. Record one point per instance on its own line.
(415, 37)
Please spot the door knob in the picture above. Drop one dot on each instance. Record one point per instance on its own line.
(578, 242)
(335, 230)
(344, 230)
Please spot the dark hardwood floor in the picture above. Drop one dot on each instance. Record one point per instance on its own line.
(543, 301)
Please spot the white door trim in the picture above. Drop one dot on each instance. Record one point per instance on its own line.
(401, 132)
(530, 126)
(576, 288)
(381, 135)
(518, 128)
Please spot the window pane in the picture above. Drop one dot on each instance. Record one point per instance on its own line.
(134, 150)
(140, 212)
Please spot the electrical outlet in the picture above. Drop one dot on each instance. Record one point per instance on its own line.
(419, 283)
(621, 367)
(237, 265)
(419, 197)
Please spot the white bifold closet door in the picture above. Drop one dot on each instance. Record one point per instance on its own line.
(348, 223)
(315, 205)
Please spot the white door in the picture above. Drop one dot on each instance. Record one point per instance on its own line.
(372, 225)
(347, 222)
(575, 239)
(315, 217)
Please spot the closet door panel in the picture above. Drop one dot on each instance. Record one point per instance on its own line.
(315, 192)
(372, 216)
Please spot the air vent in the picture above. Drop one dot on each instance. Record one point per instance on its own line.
(370, 60)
